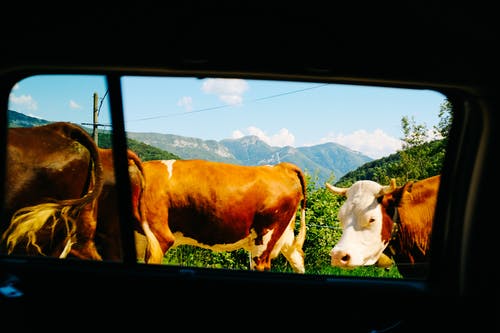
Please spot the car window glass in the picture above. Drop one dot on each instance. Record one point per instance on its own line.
(59, 127)
(231, 173)
(333, 133)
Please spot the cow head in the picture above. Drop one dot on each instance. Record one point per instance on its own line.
(366, 227)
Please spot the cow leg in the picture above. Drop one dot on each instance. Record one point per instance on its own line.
(260, 252)
(141, 244)
(85, 247)
(158, 242)
(293, 254)
(260, 262)
(290, 249)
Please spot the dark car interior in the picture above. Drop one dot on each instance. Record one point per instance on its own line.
(451, 49)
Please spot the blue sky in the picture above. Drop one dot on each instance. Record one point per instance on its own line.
(365, 119)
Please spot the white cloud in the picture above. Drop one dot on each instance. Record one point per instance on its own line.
(237, 134)
(280, 139)
(231, 99)
(230, 91)
(25, 102)
(186, 102)
(74, 105)
(375, 144)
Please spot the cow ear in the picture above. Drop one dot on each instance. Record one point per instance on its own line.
(385, 190)
(336, 190)
(409, 186)
(399, 192)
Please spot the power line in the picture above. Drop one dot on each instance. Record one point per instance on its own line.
(102, 100)
(289, 93)
(227, 106)
(96, 112)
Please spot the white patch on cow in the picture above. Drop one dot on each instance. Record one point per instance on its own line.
(170, 166)
(286, 245)
(361, 219)
(257, 250)
(244, 243)
(247, 243)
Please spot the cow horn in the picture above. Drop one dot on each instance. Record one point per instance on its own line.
(388, 188)
(336, 190)
(384, 261)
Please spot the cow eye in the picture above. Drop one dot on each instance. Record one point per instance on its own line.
(371, 220)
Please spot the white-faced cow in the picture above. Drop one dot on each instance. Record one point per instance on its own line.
(386, 221)
(225, 207)
(54, 178)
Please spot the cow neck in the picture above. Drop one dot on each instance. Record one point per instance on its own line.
(396, 221)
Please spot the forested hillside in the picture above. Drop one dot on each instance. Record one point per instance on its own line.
(415, 163)
(144, 151)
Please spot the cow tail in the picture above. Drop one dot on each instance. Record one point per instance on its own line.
(137, 198)
(153, 253)
(71, 208)
(96, 183)
(27, 222)
(301, 236)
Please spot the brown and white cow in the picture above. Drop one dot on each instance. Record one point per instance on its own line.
(225, 207)
(54, 178)
(108, 233)
(386, 221)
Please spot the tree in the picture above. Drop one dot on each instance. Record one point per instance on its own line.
(422, 153)
(445, 119)
(413, 160)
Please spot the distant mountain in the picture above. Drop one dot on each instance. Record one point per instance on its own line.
(17, 119)
(320, 161)
(186, 147)
(144, 151)
(334, 157)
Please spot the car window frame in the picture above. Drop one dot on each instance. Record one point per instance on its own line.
(440, 236)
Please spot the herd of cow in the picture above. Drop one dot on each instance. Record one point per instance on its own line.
(61, 201)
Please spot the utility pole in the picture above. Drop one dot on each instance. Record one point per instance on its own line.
(96, 109)
(95, 112)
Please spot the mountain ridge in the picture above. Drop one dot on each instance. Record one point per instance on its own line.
(325, 162)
